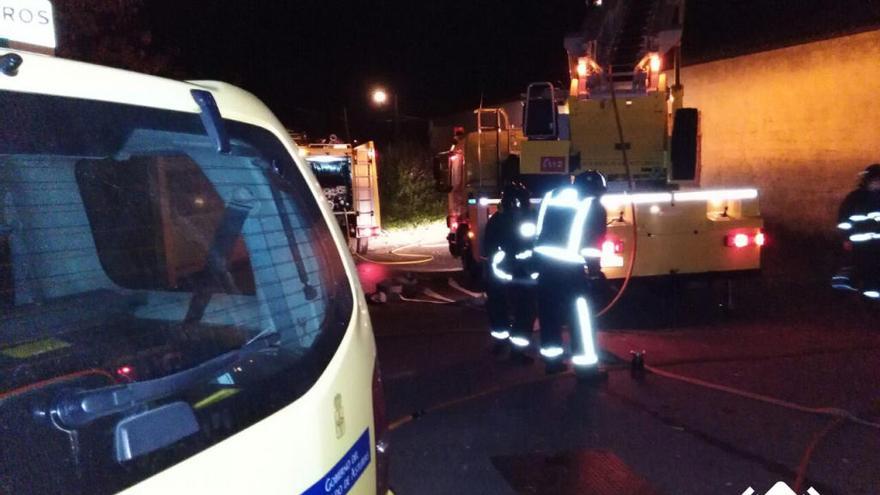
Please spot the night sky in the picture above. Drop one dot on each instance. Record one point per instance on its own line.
(308, 58)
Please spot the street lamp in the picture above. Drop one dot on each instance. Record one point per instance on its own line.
(380, 98)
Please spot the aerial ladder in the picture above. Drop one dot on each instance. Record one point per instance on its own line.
(623, 114)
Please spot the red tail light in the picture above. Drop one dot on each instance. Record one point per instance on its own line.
(760, 239)
(612, 252)
(745, 239)
(380, 427)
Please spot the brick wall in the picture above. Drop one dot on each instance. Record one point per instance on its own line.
(797, 122)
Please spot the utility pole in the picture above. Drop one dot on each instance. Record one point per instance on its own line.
(396, 118)
(345, 121)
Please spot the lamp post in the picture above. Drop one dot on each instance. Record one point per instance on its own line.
(380, 98)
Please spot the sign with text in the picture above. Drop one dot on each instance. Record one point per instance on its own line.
(341, 479)
(555, 164)
(27, 21)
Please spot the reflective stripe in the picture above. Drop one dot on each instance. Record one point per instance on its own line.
(519, 341)
(585, 331)
(866, 236)
(560, 254)
(844, 226)
(858, 218)
(543, 211)
(616, 200)
(874, 214)
(524, 255)
(873, 294)
(580, 360)
(722, 195)
(528, 229)
(566, 198)
(551, 352)
(500, 334)
(591, 253)
(499, 273)
(843, 286)
(577, 225)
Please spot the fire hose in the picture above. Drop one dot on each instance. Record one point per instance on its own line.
(632, 185)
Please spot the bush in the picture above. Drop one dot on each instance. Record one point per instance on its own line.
(406, 186)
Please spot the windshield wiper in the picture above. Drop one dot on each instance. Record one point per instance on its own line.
(228, 232)
(81, 407)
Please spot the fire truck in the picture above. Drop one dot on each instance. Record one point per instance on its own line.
(622, 115)
(348, 176)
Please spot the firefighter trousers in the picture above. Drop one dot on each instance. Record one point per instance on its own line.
(560, 287)
(506, 299)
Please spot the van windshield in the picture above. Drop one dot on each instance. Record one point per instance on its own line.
(130, 249)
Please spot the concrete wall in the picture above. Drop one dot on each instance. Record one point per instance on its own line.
(797, 122)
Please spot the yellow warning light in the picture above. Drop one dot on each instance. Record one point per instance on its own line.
(655, 63)
(582, 67)
(303, 152)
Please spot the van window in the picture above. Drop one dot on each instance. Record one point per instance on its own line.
(153, 219)
(134, 257)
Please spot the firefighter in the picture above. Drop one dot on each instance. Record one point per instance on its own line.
(507, 247)
(859, 222)
(570, 228)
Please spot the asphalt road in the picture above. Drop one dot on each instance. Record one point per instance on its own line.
(733, 400)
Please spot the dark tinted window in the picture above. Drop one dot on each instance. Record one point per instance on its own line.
(130, 250)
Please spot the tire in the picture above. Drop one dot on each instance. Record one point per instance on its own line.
(471, 267)
(453, 250)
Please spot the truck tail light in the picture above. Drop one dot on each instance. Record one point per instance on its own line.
(760, 239)
(380, 428)
(612, 252)
(743, 239)
(738, 240)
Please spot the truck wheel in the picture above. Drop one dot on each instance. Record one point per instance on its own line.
(458, 243)
(363, 244)
(454, 250)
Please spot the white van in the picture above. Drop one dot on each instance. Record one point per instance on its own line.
(178, 311)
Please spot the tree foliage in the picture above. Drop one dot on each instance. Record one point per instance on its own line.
(109, 32)
(406, 186)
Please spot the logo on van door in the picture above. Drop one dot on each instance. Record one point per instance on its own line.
(343, 476)
(553, 164)
(339, 416)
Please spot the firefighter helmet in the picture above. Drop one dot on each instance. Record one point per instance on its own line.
(514, 196)
(871, 172)
(591, 183)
